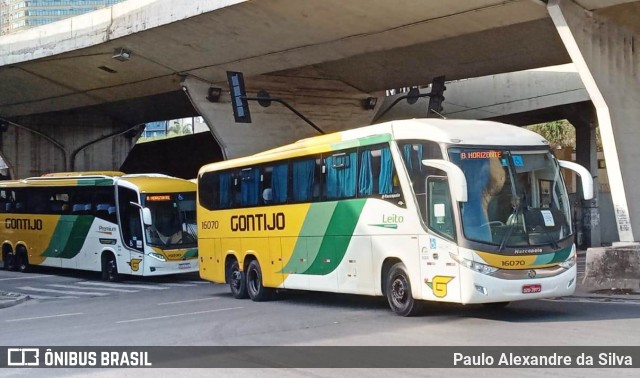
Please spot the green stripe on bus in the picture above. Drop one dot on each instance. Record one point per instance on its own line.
(375, 139)
(78, 236)
(310, 238)
(69, 236)
(551, 258)
(190, 253)
(96, 182)
(337, 237)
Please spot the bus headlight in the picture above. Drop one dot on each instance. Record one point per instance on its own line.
(473, 265)
(157, 256)
(568, 263)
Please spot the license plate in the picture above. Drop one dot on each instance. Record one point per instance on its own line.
(184, 266)
(528, 289)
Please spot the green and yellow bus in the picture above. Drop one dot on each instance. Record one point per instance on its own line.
(438, 210)
(100, 221)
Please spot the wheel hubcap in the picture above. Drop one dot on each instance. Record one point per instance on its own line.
(235, 279)
(253, 281)
(398, 291)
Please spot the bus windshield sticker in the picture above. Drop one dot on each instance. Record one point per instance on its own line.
(548, 218)
(517, 161)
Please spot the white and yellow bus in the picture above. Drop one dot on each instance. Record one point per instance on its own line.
(437, 210)
(101, 221)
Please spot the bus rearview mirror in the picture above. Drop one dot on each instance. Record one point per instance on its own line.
(146, 216)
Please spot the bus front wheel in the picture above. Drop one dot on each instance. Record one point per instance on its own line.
(398, 291)
(237, 281)
(110, 269)
(255, 288)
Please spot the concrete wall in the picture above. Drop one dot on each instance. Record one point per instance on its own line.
(38, 144)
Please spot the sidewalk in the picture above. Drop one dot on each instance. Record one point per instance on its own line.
(11, 299)
(613, 295)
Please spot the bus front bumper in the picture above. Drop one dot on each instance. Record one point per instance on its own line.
(481, 288)
(158, 268)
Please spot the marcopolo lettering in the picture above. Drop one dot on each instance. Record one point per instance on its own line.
(23, 224)
(258, 222)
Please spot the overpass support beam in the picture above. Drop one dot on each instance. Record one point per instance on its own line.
(34, 145)
(604, 51)
(328, 103)
(606, 58)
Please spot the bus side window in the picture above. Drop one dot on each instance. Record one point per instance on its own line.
(304, 177)
(376, 172)
(4, 202)
(38, 202)
(130, 222)
(340, 175)
(249, 186)
(103, 199)
(279, 183)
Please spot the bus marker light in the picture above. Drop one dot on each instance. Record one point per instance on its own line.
(481, 289)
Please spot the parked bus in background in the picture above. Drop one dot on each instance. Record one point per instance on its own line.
(438, 210)
(101, 221)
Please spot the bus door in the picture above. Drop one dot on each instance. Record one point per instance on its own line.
(130, 259)
(440, 273)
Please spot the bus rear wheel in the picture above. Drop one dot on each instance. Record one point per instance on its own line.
(255, 288)
(22, 260)
(237, 281)
(9, 260)
(398, 292)
(110, 269)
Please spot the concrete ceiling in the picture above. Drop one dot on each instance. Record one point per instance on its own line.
(370, 45)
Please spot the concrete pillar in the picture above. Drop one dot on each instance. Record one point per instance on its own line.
(604, 50)
(35, 145)
(583, 118)
(329, 104)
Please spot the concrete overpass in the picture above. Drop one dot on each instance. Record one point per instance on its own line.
(61, 89)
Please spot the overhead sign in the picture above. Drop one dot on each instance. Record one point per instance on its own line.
(238, 97)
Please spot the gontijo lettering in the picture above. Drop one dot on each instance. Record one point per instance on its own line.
(258, 222)
(23, 224)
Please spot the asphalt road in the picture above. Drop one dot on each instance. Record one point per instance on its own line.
(77, 309)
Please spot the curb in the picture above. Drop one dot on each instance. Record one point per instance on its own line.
(11, 299)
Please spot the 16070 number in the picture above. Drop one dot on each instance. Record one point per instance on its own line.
(210, 225)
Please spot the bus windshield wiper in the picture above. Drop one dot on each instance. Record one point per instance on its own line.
(552, 241)
(511, 221)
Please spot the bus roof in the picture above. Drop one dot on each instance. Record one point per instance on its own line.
(87, 173)
(459, 132)
(146, 183)
(160, 183)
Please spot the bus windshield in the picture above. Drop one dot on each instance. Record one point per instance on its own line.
(173, 220)
(515, 198)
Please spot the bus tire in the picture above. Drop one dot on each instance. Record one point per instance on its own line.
(9, 260)
(22, 260)
(237, 281)
(110, 268)
(255, 288)
(398, 292)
